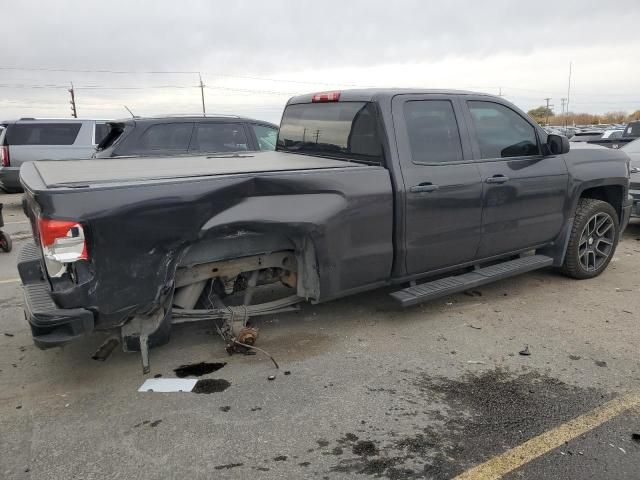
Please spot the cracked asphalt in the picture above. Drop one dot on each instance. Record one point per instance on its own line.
(374, 391)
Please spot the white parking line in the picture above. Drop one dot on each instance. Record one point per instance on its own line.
(16, 223)
(10, 280)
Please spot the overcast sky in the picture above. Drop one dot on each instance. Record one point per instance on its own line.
(254, 55)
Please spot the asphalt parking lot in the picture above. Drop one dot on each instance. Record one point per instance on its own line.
(435, 391)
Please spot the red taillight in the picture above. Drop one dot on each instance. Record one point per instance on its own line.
(4, 156)
(323, 97)
(62, 242)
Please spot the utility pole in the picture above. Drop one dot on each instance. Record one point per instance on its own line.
(547, 111)
(204, 111)
(569, 87)
(74, 113)
(500, 91)
(564, 118)
(317, 135)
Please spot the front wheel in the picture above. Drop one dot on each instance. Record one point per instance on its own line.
(593, 239)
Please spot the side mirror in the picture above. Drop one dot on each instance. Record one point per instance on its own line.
(557, 144)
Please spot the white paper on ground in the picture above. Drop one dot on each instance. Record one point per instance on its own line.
(168, 385)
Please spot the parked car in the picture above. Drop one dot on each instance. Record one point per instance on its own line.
(612, 133)
(30, 139)
(632, 149)
(178, 135)
(366, 188)
(586, 136)
(632, 130)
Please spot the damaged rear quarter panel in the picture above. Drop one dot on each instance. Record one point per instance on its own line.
(137, 233)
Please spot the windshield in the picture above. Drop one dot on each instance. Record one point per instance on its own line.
(632, 147)
(336, 129)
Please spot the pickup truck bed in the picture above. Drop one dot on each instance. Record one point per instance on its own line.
(76, 173)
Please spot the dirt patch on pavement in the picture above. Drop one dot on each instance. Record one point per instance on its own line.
(479, 415)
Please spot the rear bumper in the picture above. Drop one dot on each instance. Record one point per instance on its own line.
(10, 178)
(50, 326)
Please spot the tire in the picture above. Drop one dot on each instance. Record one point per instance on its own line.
(5, 242)
(593, 239)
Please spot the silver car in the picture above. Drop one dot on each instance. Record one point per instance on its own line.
(30, 139)
(632, 149)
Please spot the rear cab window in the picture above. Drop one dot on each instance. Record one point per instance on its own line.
(434, 136)
(42, 133)
(345, 130)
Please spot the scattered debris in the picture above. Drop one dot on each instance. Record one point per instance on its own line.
(365, 448)
(280, 458)
(198, 369)
(157, 375)
(7, 334)
(304, 464)
(228, 466)
(211, 385)
(574, 357)
(600, 363)
(155, 423)
(525, 351)
(627, 311)
(106, 349)
(255, 409)
(622, 450)
(322, 442)
(168, 385)
(287, 372)
(475, 327)
(475, 362)
(271, 377)
(18, 407)
(226, 408)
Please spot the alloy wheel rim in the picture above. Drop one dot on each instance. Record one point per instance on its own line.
(596, 242)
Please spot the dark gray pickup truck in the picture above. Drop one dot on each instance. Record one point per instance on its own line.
(434, 191)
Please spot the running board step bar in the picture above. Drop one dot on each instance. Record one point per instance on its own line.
(459, 283)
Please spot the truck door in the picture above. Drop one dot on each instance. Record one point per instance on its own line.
(524, 191)
(442, 183)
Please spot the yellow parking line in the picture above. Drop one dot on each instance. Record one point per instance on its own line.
(10, 280)
(500, 465)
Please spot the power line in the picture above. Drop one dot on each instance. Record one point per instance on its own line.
(179, 72)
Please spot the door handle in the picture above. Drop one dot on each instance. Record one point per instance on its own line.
(424, 188)
(497, 179)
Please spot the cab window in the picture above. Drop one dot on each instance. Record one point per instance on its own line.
(500, 132)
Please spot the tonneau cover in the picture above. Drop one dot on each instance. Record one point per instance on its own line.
(96, 171)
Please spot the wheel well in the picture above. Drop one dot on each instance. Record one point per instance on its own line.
(612, 194)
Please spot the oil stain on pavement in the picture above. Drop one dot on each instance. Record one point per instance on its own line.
(460, 423)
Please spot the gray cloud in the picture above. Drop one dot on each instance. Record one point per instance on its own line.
(268, 38)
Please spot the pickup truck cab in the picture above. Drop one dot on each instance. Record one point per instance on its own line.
(366, 188)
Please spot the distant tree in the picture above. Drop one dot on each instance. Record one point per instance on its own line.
(614, 117)
(541, 114)
(634, 116)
